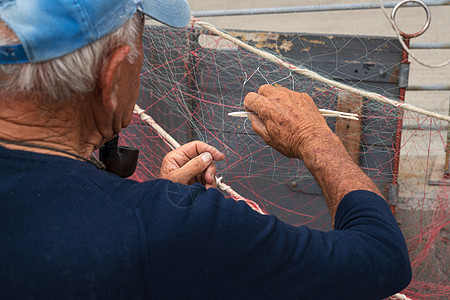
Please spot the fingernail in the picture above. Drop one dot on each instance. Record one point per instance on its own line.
(206, 157)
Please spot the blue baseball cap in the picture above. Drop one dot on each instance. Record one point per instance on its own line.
(49, 29)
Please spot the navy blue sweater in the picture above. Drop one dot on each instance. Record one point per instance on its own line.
(68, 230)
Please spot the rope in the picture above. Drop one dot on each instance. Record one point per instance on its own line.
(399, 297)
(315, 76)
(167, 138)
(374, 96)
(173, 144)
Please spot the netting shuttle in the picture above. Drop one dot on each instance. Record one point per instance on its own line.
(324, 112)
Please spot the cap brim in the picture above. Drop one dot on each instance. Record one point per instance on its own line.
(174, 13)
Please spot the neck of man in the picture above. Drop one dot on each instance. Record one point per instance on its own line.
(67, 126)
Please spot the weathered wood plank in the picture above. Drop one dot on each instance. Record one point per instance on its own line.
(349, 131)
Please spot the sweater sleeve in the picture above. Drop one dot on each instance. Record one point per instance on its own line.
(223, 249)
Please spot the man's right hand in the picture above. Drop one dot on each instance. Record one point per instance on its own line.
(286, 120)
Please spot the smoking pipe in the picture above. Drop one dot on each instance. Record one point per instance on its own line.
(119, 160)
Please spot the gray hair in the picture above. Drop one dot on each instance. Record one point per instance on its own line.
(75, 72)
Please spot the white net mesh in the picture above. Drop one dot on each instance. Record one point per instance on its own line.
(192, 79)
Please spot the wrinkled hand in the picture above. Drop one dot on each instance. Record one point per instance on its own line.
(287, 121)
(191, 163)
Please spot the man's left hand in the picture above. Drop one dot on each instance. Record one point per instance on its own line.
(192, 163)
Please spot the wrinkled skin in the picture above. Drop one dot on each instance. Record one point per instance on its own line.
(286, 120)
(192, 163)
(291, 123)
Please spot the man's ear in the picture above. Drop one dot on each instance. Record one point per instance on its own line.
(109, 75)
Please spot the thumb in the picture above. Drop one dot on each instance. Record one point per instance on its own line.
(193, 167)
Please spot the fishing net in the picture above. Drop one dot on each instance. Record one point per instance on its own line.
(192, 78)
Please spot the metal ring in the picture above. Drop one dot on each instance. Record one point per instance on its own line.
(427, 23)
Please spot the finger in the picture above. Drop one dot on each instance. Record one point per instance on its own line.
(271, 91)
(268, 90)
(208, 186)
(195, 148)
(259, 127)
(258, 104)
(304, 96)
(278, 93)
(210, 177)
(299, 97)
(210, 174)
(192, 168)
(251, 101)
(279, 89)
(199, 178)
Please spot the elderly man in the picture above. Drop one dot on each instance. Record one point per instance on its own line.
(69, 79)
